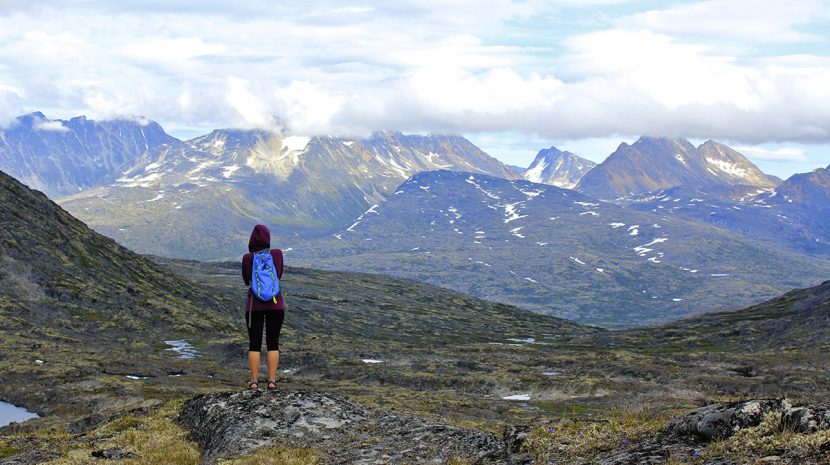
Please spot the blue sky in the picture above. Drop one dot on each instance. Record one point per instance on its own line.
(513, 76)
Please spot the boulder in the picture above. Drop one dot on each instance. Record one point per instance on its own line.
(806, 420)
(719, 421)
(341, 430)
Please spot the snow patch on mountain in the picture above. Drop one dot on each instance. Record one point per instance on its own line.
(729, 168)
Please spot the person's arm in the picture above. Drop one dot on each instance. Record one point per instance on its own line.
(281, 264)
(246, 274)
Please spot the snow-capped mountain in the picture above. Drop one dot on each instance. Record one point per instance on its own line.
(557, 168)
(63, 157)
(558, 251)
(222, 183)
(653, 164)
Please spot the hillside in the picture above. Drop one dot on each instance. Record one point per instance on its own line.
(790, 323)
(222, 183)
(652, 164)
(73, 303)
(559, 252)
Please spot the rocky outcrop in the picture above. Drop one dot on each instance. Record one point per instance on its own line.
(719, 421)
(806, 420)
(341, 430)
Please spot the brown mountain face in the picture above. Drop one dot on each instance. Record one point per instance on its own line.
(808, 189)
(652, 164)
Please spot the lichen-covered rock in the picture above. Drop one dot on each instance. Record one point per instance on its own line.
(341, 430)
(719, 421)
(806, 420)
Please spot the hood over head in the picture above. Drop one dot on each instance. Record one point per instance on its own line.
(260, 238)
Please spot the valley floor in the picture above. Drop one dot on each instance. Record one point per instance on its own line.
(580, 394)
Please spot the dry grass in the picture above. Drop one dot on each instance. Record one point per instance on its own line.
(275, 456)
(580, 439)
(156, 439)
(6, 449)
(766, 439)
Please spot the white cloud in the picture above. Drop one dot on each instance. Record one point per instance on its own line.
(308, 109)
(171, 50)
(11, 6)
(751, 20)
(11, 103)
(55, 126)
(424, 66)
(783, 154)
(247, 104)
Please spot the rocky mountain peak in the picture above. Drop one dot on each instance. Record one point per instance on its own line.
(729, 165)
(555, 167)
(811, 190)
(223, 140)
(63, 157)
(653, 164)
(664, 143)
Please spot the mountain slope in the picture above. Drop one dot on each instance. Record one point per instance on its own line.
(559, 251)
(793, 321)
(220, 184)
(795, 215)
(80, 313)
(652, 164)
(557, 168)
(811, 190)
(63, 157)
(55, 269)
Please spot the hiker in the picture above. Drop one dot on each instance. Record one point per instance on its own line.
(268, 312)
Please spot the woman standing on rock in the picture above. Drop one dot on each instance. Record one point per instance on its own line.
(268, 313)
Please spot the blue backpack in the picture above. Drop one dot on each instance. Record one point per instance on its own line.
(264, 282)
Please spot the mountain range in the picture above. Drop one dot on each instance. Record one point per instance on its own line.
(64, 157)
(216, 186)
(323, 195)
(558, 251)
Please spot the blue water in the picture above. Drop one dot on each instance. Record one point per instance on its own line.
(11, 413)
(183, 348)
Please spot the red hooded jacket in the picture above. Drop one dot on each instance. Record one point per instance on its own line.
(260, 240)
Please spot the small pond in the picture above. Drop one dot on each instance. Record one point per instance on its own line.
(12, 413)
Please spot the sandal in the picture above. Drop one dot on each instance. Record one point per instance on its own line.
(253, 385)
(272, 384)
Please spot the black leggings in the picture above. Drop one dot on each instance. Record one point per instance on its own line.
(272, 320)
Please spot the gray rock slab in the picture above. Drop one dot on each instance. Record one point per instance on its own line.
(719, 421)
(341, 430)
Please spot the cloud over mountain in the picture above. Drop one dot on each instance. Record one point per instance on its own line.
(429, 66)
